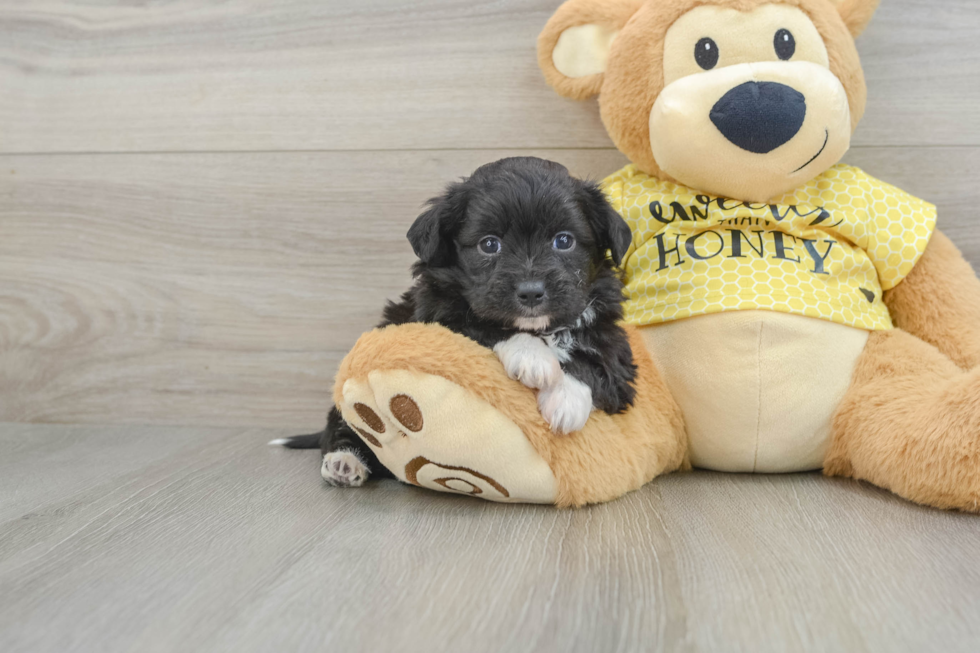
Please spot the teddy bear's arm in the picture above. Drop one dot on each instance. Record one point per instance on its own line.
(939, 302)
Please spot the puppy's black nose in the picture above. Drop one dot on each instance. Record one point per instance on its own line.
(531, 293)
(760, 116)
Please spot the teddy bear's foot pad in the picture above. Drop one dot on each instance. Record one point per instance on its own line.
(434, 433)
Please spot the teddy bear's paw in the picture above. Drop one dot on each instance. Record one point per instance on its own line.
(566, 406)
(436, 434)
(369, 420)
(343, 469)
(530, 360)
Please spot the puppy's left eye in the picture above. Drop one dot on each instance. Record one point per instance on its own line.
(563, 241)
(489, 245)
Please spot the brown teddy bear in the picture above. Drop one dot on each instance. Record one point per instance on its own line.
(788, 312)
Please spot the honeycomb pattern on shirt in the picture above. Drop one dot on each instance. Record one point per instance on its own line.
(826, 250)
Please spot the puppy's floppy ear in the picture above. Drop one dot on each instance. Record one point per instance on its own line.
(431, 235)
(612, 233)
(575, 44)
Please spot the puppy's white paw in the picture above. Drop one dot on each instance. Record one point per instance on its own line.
(567, 406)
(343, 469)
(528, 359)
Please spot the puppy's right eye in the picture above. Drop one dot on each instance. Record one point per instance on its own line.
(489, 245)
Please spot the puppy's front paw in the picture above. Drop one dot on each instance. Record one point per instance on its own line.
(528, 359)
(566, 406)
(343, 469)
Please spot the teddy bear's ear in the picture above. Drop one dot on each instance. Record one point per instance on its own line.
(574, 45)
(856, 13)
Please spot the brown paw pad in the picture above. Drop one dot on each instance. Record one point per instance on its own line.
(370, 417)
(459, 485)
(407, 412)
(458, 479)
(367, 436)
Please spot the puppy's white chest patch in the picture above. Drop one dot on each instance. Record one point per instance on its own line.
(561, 344)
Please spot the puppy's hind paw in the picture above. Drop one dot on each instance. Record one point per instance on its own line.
(567, 406)
(343, 469)
(528, 359)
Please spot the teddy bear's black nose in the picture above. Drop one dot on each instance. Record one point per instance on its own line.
(760, 116)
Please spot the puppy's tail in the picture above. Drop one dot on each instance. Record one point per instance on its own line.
(308, 441)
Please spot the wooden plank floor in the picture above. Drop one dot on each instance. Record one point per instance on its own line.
(202, 204)
(202, 539)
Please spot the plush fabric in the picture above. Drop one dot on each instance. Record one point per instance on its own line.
(612, 455)
(826, 250)
(939, 302)
(910, 423)
(778, 389)
(582, 50)
(610, 16)
(712, 159)
(728, 374)
(434, 433)
(634, 78)
(856, 13)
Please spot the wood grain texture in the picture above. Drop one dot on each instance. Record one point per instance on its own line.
(223, 289)
(382, 74)
(206, 539)
(228, 213)
(203, 289)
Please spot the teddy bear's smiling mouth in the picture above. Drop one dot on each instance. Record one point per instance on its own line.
(822, 148)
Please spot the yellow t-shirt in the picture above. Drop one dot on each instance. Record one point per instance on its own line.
(826, 250)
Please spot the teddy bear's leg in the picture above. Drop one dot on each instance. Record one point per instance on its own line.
(439, 411)
(939, 301)
(910, 423)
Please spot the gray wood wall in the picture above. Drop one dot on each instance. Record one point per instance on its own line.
(202, 204)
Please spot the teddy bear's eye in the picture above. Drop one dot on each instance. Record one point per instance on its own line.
(706, 53)
(785, 44)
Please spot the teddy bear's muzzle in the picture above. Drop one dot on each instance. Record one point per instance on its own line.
(751, 131)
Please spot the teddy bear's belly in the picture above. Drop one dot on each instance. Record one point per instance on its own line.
(758, 389)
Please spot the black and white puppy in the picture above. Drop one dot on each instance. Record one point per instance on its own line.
(515, 257)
